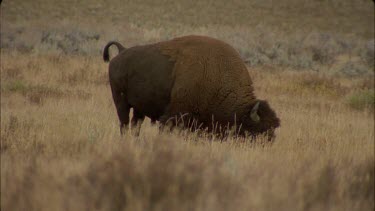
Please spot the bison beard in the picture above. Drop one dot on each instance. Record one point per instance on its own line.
(199, 77)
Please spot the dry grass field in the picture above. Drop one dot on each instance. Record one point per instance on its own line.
(60, 142)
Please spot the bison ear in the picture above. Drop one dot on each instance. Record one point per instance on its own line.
(254, 113)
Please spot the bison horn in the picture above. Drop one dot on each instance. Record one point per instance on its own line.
(254, 113)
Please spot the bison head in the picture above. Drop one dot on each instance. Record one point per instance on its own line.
(260, 119)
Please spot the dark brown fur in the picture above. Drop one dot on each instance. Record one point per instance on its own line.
(195, 75)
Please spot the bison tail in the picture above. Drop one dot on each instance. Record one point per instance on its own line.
(106, 49)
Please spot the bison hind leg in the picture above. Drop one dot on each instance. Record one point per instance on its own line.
(137, 121)
(122, 107)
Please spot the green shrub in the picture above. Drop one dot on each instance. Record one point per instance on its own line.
(362, 100)
(15, 86)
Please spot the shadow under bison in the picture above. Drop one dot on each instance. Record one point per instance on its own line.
(200, 78)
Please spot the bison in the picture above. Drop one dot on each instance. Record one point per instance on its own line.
(200, 76)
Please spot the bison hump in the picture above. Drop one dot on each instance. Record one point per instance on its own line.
(209, 76)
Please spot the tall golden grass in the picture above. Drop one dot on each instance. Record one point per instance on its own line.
(61, 148)
(60, 143)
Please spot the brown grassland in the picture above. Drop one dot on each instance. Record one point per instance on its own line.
(60, 142)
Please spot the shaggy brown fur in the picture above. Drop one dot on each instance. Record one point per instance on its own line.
(196, 75)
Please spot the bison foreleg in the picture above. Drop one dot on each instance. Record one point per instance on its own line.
(166, 123)
(180, 120)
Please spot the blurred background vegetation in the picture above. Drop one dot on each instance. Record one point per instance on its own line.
(331, 36)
